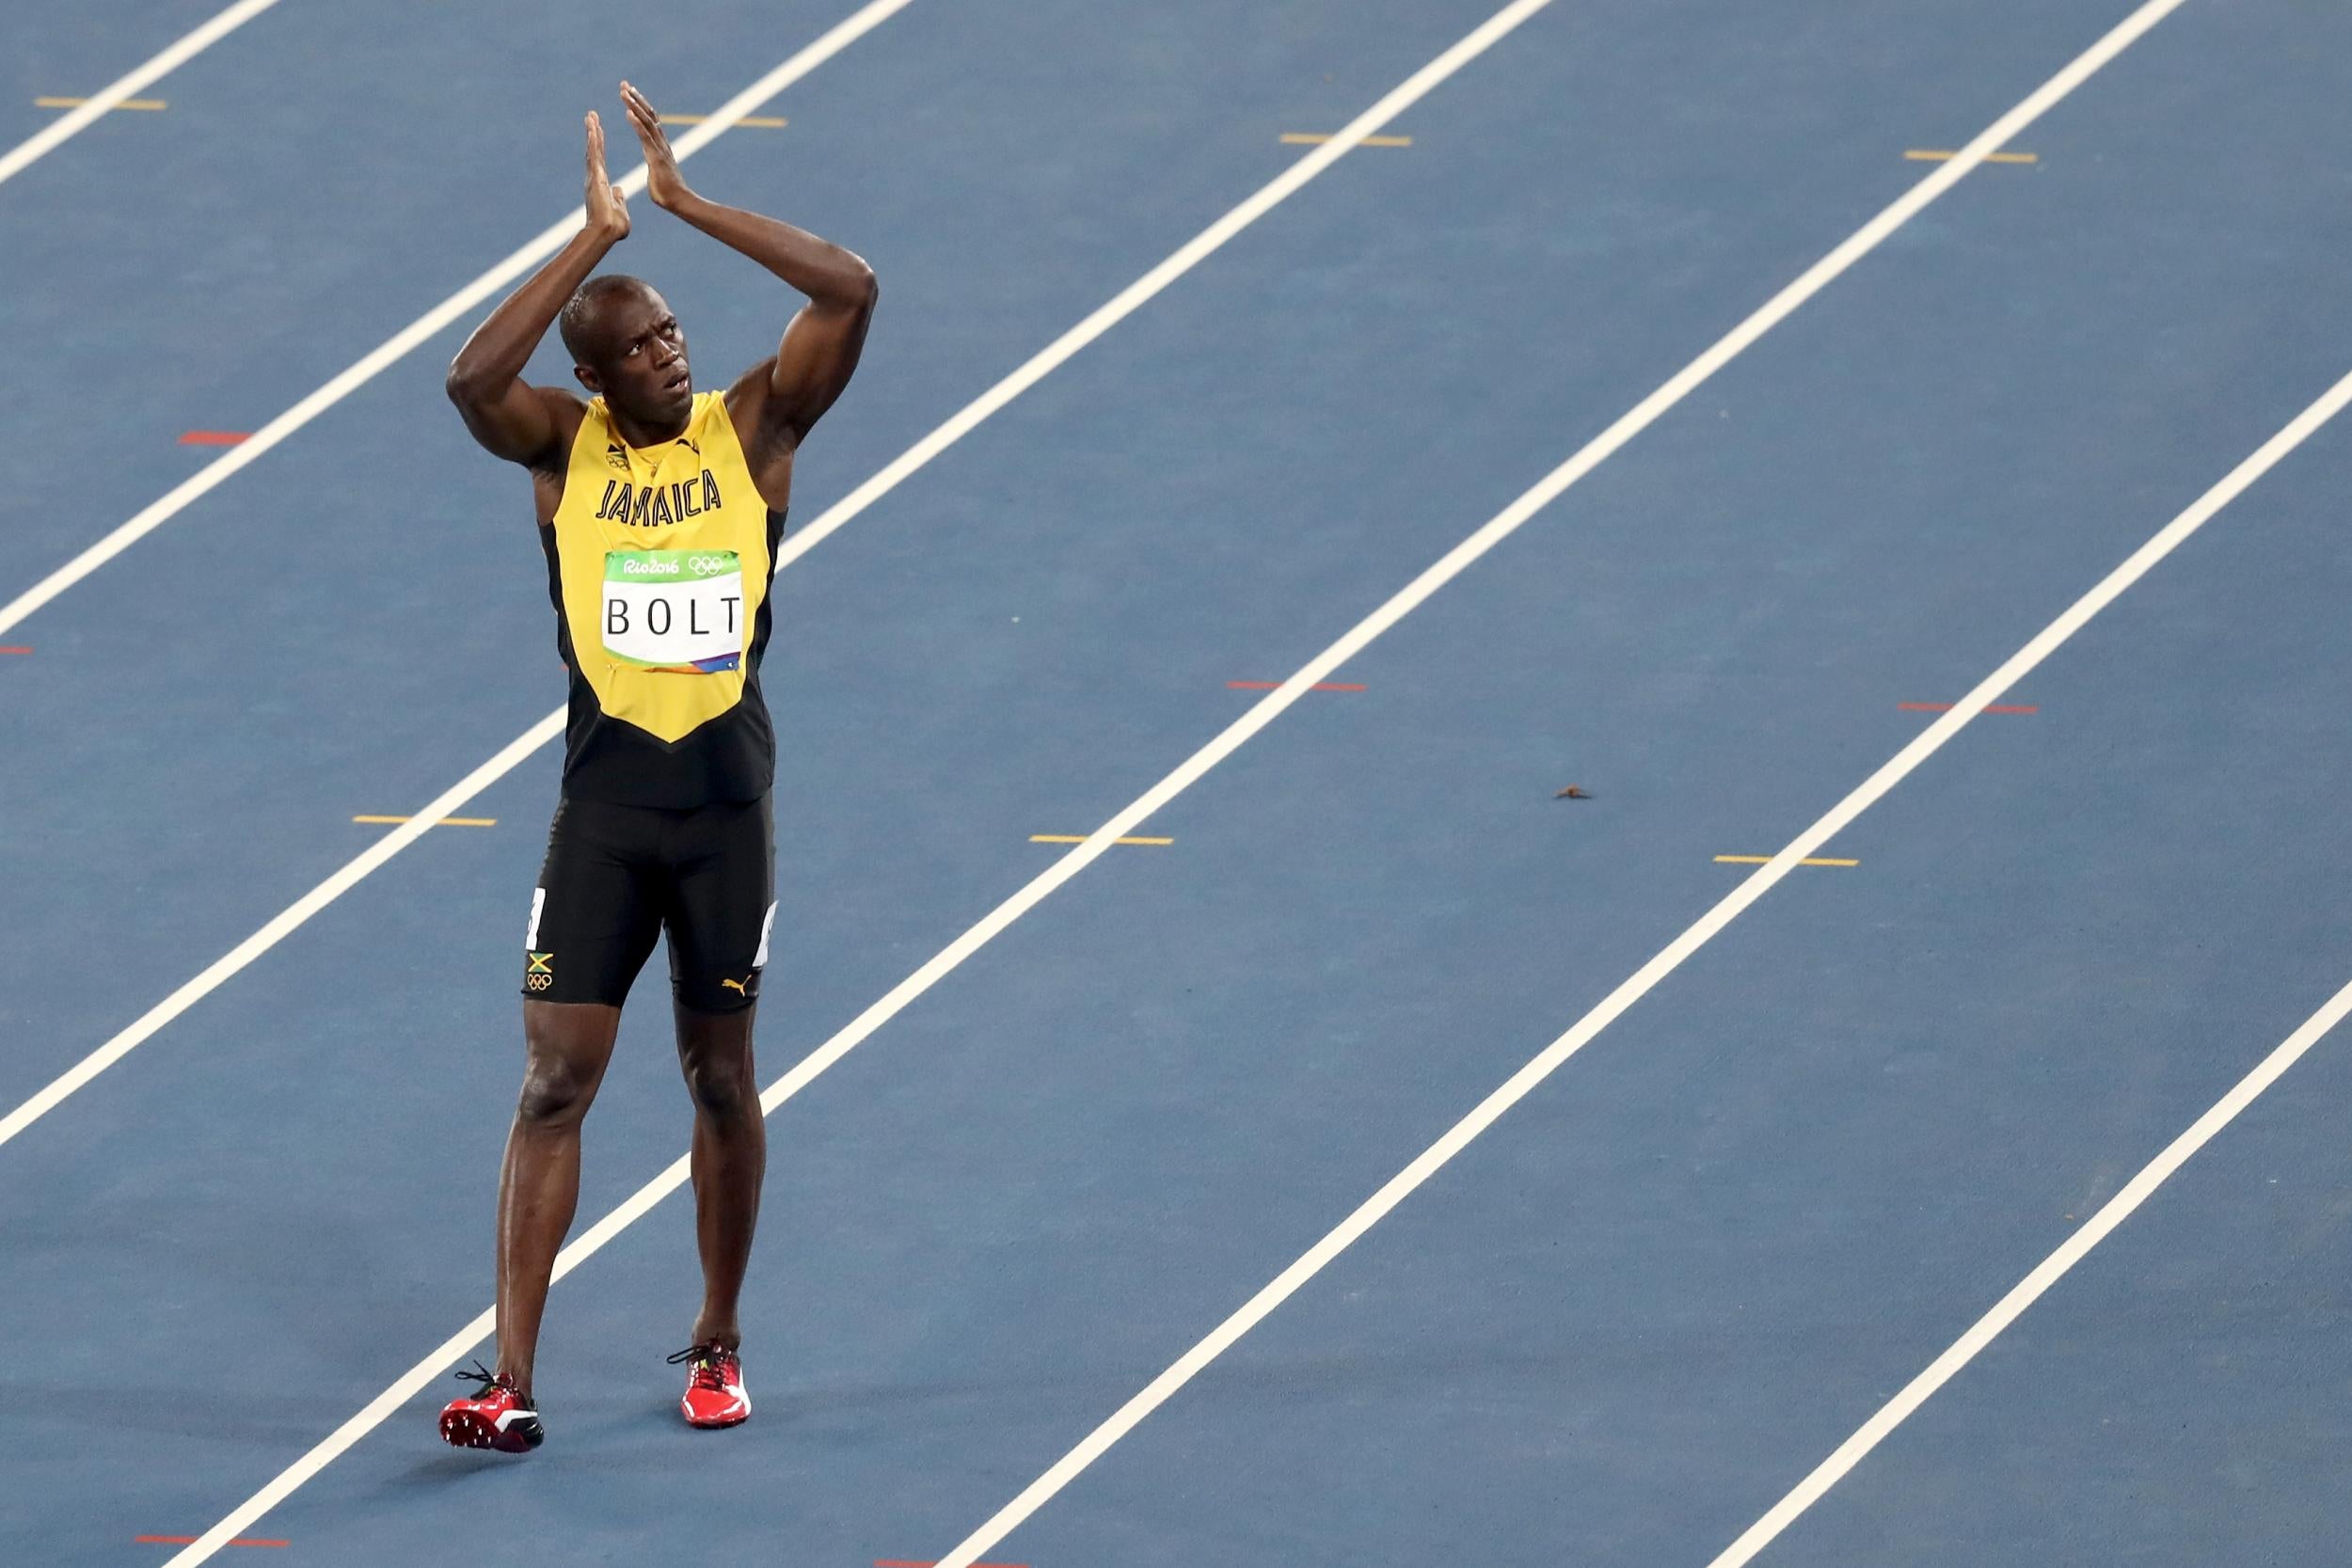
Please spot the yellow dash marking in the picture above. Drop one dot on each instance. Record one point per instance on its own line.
(1081, 839)
(1939, 155)
(1766, 860)
(445, 822)
(77, 103)
(757, 122)
(1314, 138)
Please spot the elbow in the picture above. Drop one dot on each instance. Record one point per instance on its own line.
(465, 385)
(865, 287)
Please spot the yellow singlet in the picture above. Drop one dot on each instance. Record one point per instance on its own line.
(657, 562)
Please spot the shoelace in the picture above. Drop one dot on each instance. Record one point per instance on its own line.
(708, 1362)
(488, 1380)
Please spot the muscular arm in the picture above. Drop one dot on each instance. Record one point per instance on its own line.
(518, 422)
(787, 394)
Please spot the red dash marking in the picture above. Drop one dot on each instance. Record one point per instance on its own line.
(1946, 707)
(190, 1541)
(1270, 686)
(15, 650)
(214, 438)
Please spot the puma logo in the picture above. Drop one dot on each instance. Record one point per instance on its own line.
(737, 986)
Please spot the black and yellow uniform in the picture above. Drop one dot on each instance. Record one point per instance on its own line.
(657, 562)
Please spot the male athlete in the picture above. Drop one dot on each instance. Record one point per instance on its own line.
(659, 510)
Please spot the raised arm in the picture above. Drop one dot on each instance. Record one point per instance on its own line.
(518, 422)
(785, 395)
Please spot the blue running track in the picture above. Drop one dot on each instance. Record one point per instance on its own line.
(1656, 1292)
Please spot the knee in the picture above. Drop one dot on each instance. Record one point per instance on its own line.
(723, 1092)
(555, 1093)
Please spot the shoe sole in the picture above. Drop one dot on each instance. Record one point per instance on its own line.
(463, 1429)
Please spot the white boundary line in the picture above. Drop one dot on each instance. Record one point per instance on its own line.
(47, 1099)
(1640, 984)
(2029, 1289)
(1126, 303)
(641, 1203)
(864, 19)
(49, 137)
(1235, 734)
(280, 927)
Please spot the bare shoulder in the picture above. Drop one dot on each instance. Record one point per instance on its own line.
(753, 408)
(765, 430)
(566, 409)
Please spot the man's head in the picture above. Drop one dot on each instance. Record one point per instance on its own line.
(626, 344)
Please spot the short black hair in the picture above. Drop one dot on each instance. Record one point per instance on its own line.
(579, 311)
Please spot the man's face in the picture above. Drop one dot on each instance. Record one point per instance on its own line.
(639, 362)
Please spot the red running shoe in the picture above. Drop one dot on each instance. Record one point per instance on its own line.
(714, 1386)
(497, 1417)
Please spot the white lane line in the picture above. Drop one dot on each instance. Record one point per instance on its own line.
(280, 927)
(508, 757)
(2029, 1289)
(1635, 986)
(1232, 739)
(1126, 303)
(810, 1067)
(59, 131)
(864, 19)
(1191, 254)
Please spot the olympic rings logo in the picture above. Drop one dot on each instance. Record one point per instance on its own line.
(709, 565)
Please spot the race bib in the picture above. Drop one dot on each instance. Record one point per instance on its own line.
(678, 611)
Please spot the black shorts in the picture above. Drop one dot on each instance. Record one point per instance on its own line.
(616, 877)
